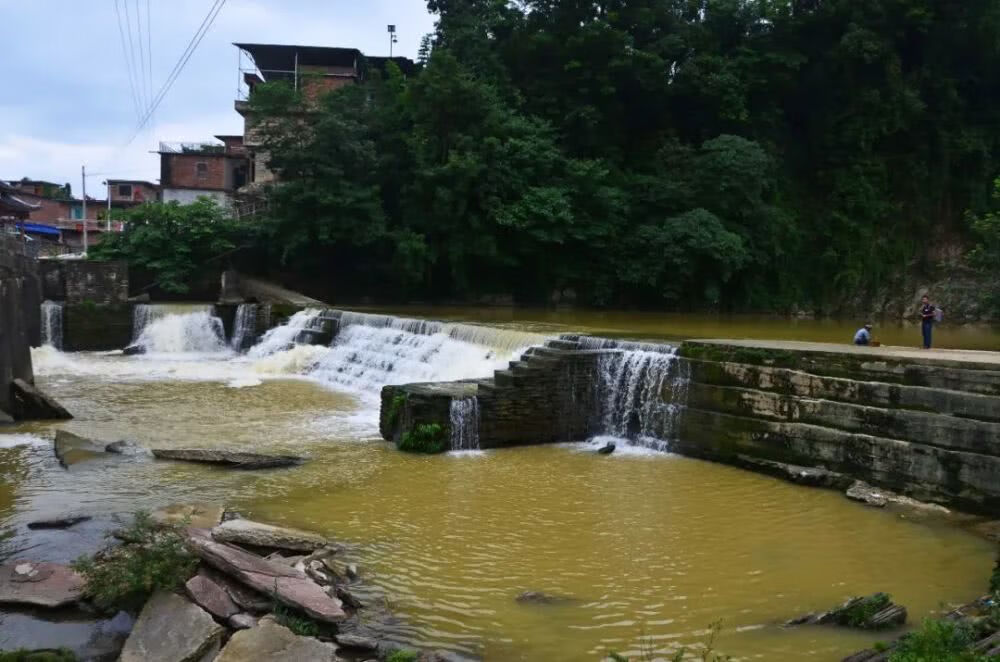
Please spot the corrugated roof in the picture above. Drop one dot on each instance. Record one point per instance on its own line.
(281, 57)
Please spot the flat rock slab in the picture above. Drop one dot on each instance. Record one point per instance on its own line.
(287, 585)
(39, 584)
(231, 459)
(275, 643)
(197, 515)
(171, 629)
(73, 449)
(248, 532)
(244, 596)
(58, 522)
(28, 403)
(211, 597)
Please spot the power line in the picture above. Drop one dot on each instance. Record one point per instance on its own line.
(128, 64)
(142, 55)
(176, 71)
(149, 49)
(131, 48)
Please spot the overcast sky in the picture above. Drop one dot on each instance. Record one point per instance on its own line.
(65, 98)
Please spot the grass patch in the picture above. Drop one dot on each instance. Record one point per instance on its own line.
(48, 655)
(403, 656)
(299, 623)
(938, 641)
(149, 560)
(425, 438)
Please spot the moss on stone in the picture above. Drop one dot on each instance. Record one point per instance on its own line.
(395, 409)
(46, 655)
(425, 438)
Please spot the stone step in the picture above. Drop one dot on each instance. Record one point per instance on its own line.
(562, 344)
(503, 378)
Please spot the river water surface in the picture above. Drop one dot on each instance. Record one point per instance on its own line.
(647, 548)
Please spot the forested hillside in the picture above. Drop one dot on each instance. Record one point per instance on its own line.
(731, 154)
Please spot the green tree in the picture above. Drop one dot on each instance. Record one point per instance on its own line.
(171, 240)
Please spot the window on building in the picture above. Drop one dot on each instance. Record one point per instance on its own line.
(125, 191)
(201, 170)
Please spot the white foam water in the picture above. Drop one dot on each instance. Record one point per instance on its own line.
(187, 333)
(244, 326)
(52, 324)
(641, 394)
(464, 419)
(284, 337)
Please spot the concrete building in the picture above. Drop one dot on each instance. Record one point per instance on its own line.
(131, 192)
(192, 170)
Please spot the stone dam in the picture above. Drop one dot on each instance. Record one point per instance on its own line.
(925, 424)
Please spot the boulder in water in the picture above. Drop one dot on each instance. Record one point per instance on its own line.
(39, 584)
(172, 629)
(257, 534)
(874, 612)
(226, 458)
(133, 350)
(211, 597)
(275, 643)
(606, 449)
(28, 403)
(198, 515)
(287, 585)
(124, 447)
(865, 493)
(72, 449)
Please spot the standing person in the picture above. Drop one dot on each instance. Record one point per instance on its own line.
(864, 335)
(927, 315)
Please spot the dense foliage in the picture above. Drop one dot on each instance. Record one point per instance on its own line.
(171, 241)
(740, 154)
(986, 253)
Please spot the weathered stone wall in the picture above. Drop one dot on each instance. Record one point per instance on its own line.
(79, 281)
(96, 327)
(927, 427)
(20, 317)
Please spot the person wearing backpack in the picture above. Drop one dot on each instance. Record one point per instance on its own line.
(929, 314)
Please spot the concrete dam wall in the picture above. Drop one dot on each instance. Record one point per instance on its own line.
(20, 300)
(923, 424)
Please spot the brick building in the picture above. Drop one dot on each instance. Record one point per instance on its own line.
(192, 170)
(130, 192)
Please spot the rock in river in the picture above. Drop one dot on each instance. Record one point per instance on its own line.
(28, 403)
(539, 598)
(198, 515)
(211, 597)
(39, 584)
(874, 612)
(289, 586)
(172, 629)
(232, 459)
(275, 643)
(247, 532)
(58, 522)
(72, 449)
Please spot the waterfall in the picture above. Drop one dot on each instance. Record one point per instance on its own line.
(177, 329)
(285, 336)
(464, 417)
(52, 324)
(641, 393)
(244, 326)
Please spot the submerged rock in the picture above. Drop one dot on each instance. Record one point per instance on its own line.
(124, 447)
(865, 493)
(28, 403)
(39, 584)
(133, 350)
(275, 643)
(211, 597)
(607, 449)
(73, 449)
(58, 522)
(873, 612)
(258, 534)
(232, 459)
(287, 585)
(172, 629)
(357, 641)
(197, 515)
(808, 476)
(539, 598)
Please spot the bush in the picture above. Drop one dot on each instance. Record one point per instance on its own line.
(938, 641)
(149, 560)
(426, 438)
(858, 614)
(403, 656)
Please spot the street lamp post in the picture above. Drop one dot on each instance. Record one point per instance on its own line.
(392, 38)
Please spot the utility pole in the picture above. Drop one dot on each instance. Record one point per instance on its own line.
(83, 176)
(392, 38)
(108, 182)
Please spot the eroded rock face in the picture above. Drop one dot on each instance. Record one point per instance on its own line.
(275, 643)
(211, 597)
(39, 584)
(287, 585)
(231, 459)
(171, 629)
(28, 403)
(247, 532)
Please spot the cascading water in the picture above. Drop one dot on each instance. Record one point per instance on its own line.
(52, 324)
(284, 337)
(244, 326)
(178, 329)
(641, 393)
(464, 416)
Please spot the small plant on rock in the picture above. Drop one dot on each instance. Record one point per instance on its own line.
(396, 408)
(860, 613)
(150, 559)
(403, 656)
(51, 655)
(297, 623)
(425, 438)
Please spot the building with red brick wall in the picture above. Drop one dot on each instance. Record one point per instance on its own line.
(192, 170)
(129, 192)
